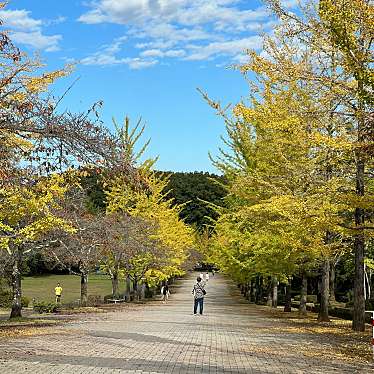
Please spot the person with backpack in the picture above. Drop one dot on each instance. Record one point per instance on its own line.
(165, 293)
(199, 292)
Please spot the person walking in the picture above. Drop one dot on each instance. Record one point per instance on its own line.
(165, 293)
(199, 292)
(206, 276)
(58, 293)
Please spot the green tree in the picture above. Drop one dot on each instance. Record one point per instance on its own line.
(198, 192)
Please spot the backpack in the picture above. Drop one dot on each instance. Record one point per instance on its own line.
(202, 289)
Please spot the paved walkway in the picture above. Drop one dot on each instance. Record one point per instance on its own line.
(232, 337)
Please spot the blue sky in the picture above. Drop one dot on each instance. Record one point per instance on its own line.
(146, 58)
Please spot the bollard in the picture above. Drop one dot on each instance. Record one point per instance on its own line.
(372, 324)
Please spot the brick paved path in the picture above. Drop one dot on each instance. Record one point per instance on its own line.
(232, 337)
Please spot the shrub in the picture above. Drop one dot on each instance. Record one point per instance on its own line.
(5, 298)
(148, 293)
(311, 299)
(25, 301)
(94, 300)
(46, 307)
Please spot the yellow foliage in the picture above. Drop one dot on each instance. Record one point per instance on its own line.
(174, 236)
(27, 212)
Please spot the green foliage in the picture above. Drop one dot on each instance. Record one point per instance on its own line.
(25, 301)
(198, 191)
(6, 299)
(46, 307)
(92, 184)
(35, 264)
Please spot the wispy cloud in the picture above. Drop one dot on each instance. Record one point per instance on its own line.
(29, 31)
(182, 29)
(226, 48)
(289, 3)
(107, 55)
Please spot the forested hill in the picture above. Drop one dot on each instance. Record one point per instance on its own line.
(195, 188)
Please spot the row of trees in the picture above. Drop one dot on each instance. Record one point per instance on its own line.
(299, 162)
(49, 162)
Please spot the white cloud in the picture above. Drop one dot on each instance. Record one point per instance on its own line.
(241, 58)
(137, 63)
(184, 12)
(183, 29)
(232, 47)
(159, 53)
(108, 56)
(19, 19)
(28, 31)
(129, 11)
(152, 53)
(37, 40)
(290, 3)
(107, 59)
(175, 53)
(55, 21)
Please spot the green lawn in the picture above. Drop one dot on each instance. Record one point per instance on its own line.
(42, 288)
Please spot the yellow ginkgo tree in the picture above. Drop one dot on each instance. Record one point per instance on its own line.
(27, 215)
(168, 238)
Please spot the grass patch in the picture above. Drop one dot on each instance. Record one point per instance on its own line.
(42, 288)
(18, 327)
(24, 321)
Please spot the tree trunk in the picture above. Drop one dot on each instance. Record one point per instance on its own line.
(261, 290)
(274, 303)
(115, 288)
(252, 295)
(269, 300)
(358, 323)
(332, 282)
(248, 291)
(359, 249)
(142, 291)
(304, 292)
(257, 294)
(16, 284)
(84, 294)
(287, 304)
(135, 288)
(128, 288)
(358, 294)
(323, 315)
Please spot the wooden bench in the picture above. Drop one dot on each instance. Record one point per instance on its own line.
(115, 301)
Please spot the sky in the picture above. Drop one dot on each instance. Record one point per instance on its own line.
(146, 58)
